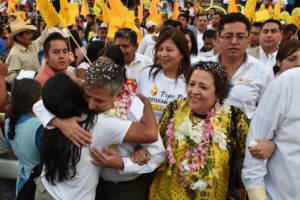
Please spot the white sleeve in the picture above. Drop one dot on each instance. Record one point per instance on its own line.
(268, 79)
(158, 156)
(109, 130)
(149, 51)
(136, 110)
(267, 118)
(142, 46)
(143, 81)
(83, 65)
(43, 114)
(39, 42)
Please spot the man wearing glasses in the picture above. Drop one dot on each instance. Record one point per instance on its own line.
(249, 76)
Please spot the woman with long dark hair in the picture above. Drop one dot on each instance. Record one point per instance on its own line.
(166, 80)
(192, 44)
(68, 171)
(65, 99)
(22, 129)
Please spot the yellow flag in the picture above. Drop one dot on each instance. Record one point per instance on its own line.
(277, 10)
(118, 9)
(48, 12)
(271, 11)
(73, 13)
(28, 22)
(262, 15)
(262, 7)
(249, 10)
(153, 10)
(140, 11)
(197, 7)
(129, 23)
(64, 12)
(21, 14)
(114, 25)
(175, 10)
(117, 17)
(37, 7)
(85, 10)
(11, 6)
(232, 7)
(106, 13)
(98, 3)
(154, 16)
(125, 21)
(97, 7)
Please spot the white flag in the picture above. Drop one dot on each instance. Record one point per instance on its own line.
(2, 7)
(23, 2)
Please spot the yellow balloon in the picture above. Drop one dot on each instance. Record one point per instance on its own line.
(295, 12)
(289, 20)
(96, 10)
(147, 3)
(217, 7)
(284, 15)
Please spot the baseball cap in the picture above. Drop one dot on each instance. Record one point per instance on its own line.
(149, 24)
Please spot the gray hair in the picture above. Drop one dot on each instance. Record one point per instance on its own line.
(105, 74)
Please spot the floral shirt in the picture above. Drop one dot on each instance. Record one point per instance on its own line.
(181, 177)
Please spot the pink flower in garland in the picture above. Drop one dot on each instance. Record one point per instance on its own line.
(170, 146)
(197, 137)
(121, 107)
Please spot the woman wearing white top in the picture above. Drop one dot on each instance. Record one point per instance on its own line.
(193, 48)
(166, 80)
(68, 172)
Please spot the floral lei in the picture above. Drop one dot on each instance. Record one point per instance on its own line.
(195, 169)
(121, 107)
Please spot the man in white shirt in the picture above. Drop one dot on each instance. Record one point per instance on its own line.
(210, 40)
(276, 118)
(150, 27)
(101, 33)
(147, 39)
(103, 87)
(202, 24)
(254, 34)
(134, 62)
(269, 39)
(133, 180)
(248, 75)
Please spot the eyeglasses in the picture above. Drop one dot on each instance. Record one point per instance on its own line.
(239, 37)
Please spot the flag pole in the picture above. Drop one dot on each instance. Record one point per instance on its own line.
(69, 33)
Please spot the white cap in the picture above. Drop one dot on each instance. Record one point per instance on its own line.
(103, 25)
(150, 24)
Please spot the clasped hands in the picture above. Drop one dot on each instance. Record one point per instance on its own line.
(109, 158)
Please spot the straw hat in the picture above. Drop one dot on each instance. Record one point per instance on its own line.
(19, 26)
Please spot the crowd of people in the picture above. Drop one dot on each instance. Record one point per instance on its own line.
(203, 107)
